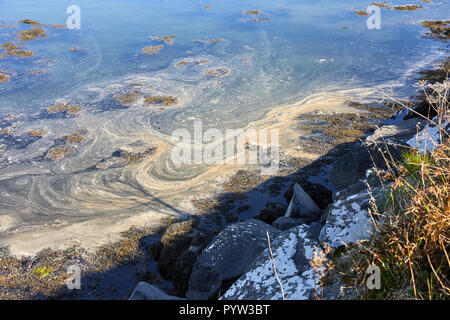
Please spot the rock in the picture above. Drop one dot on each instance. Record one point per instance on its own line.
(318, 193)
(348, 220)
(285, 223)
(179, 247)
(227, 258)
(351, 167)
(292, 251)
(302, 206)
(271, 212)
(145, 291)
(400, 132)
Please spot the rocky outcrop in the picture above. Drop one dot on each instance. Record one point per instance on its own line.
(145, 291)
(292, 251)
(227, 258)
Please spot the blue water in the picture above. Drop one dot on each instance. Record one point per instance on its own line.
(306, 47)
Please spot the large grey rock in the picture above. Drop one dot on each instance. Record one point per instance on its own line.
(348, 220)
(292, 251)
(227, 258)
(400, 132)
(285, 223)
(145, 291)
(352, 167)
(302, 206)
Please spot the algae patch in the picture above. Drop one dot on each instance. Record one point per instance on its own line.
(3, 77)
(29, 21)
(187, 62)
(10, 49)
(219, 72)
(129, 98)
(63, 107)
(408, 7)
(167, 39)
(36, 133)
(152, 49)
(164, 100)
(57, 153)
(31, 34)
(437, 30)
(253, 12)
(75, 137)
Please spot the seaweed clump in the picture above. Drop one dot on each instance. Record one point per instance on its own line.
(3, 77)
(408, 7)
(438, 30)
(164, 100)
(361, 13)
(59, 152)
(217, 72)
(31, 34)
(253, 12)
(383, 4)
(29, 21)
(13, 50)
(186, 62)
(167, 39)
(129, 98)
(152, 49)
(63, 107)
(36, 133)
(75, 137)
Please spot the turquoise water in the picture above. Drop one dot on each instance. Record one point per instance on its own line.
(305, 47)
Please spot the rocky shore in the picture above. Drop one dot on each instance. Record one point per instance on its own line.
(262, 238)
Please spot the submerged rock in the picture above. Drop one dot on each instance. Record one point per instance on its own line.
(227, 257)
(145, 291)
(292, 251)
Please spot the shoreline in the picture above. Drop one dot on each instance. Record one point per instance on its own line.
(127, 244)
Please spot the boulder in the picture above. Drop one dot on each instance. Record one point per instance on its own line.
(271, 212)
(227, 257)
(179, 247)
(145, 291)
(286, 223)
(302, 206)
(399, 132)
(348, 220)
(318, 193)
(292, 251)
(351, 168)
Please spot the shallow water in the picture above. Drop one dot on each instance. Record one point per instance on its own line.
(306, 47)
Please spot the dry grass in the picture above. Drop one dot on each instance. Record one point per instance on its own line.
(411, 239)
